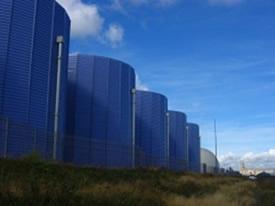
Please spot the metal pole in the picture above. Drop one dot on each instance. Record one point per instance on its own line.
(134, 127)
(168, 139)
(216, 146)
(59, 41)
(187, 148)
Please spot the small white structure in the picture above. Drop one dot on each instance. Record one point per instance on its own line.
(255, 171)
(209, 162)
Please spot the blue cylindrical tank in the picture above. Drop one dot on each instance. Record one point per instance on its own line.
(151, 130)
(193, 133)
(177, 141)
(100, 109)
(28, 65)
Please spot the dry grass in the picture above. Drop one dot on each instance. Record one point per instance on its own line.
(121, 194)
(213, 200)
(237, 194)
(39, 183)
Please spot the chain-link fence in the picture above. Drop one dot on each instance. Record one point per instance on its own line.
(19, 140)
(98, 153)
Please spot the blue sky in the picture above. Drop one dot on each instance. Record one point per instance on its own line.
(213, 59)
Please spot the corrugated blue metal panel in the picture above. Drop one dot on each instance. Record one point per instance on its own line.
(65, 60)
(16, 88)
(70, 110)
(16, 85)
(151, 129)
(40, 64)
(101, 102)
(5, 17)
(28, 68)
(177, 141)
(193, 147)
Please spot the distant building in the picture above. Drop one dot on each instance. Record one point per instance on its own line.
(255, 171)
(209, 162)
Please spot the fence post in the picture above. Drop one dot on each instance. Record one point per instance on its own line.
(6, 138)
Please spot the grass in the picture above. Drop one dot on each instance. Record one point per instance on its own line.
(34, 182)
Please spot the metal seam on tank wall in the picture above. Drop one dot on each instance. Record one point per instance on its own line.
(31, 57)
(6, 62)
(50, 71)
(107, 113)
(92, 105)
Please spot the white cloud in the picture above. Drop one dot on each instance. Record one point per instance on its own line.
(87, 22)
(230, 160)
(114, 35)
(140, 85)
(117, 6)
(225, 2)
(238, 142)
(85, 18)
(251, 160)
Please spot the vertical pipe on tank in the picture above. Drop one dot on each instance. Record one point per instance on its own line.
(59, 41)
(168, 139)
(134, 127)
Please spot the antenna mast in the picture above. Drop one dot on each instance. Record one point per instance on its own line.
(216, 144)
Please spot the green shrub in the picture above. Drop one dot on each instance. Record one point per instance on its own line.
(32, 181)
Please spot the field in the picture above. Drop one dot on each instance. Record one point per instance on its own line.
(34, 182)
